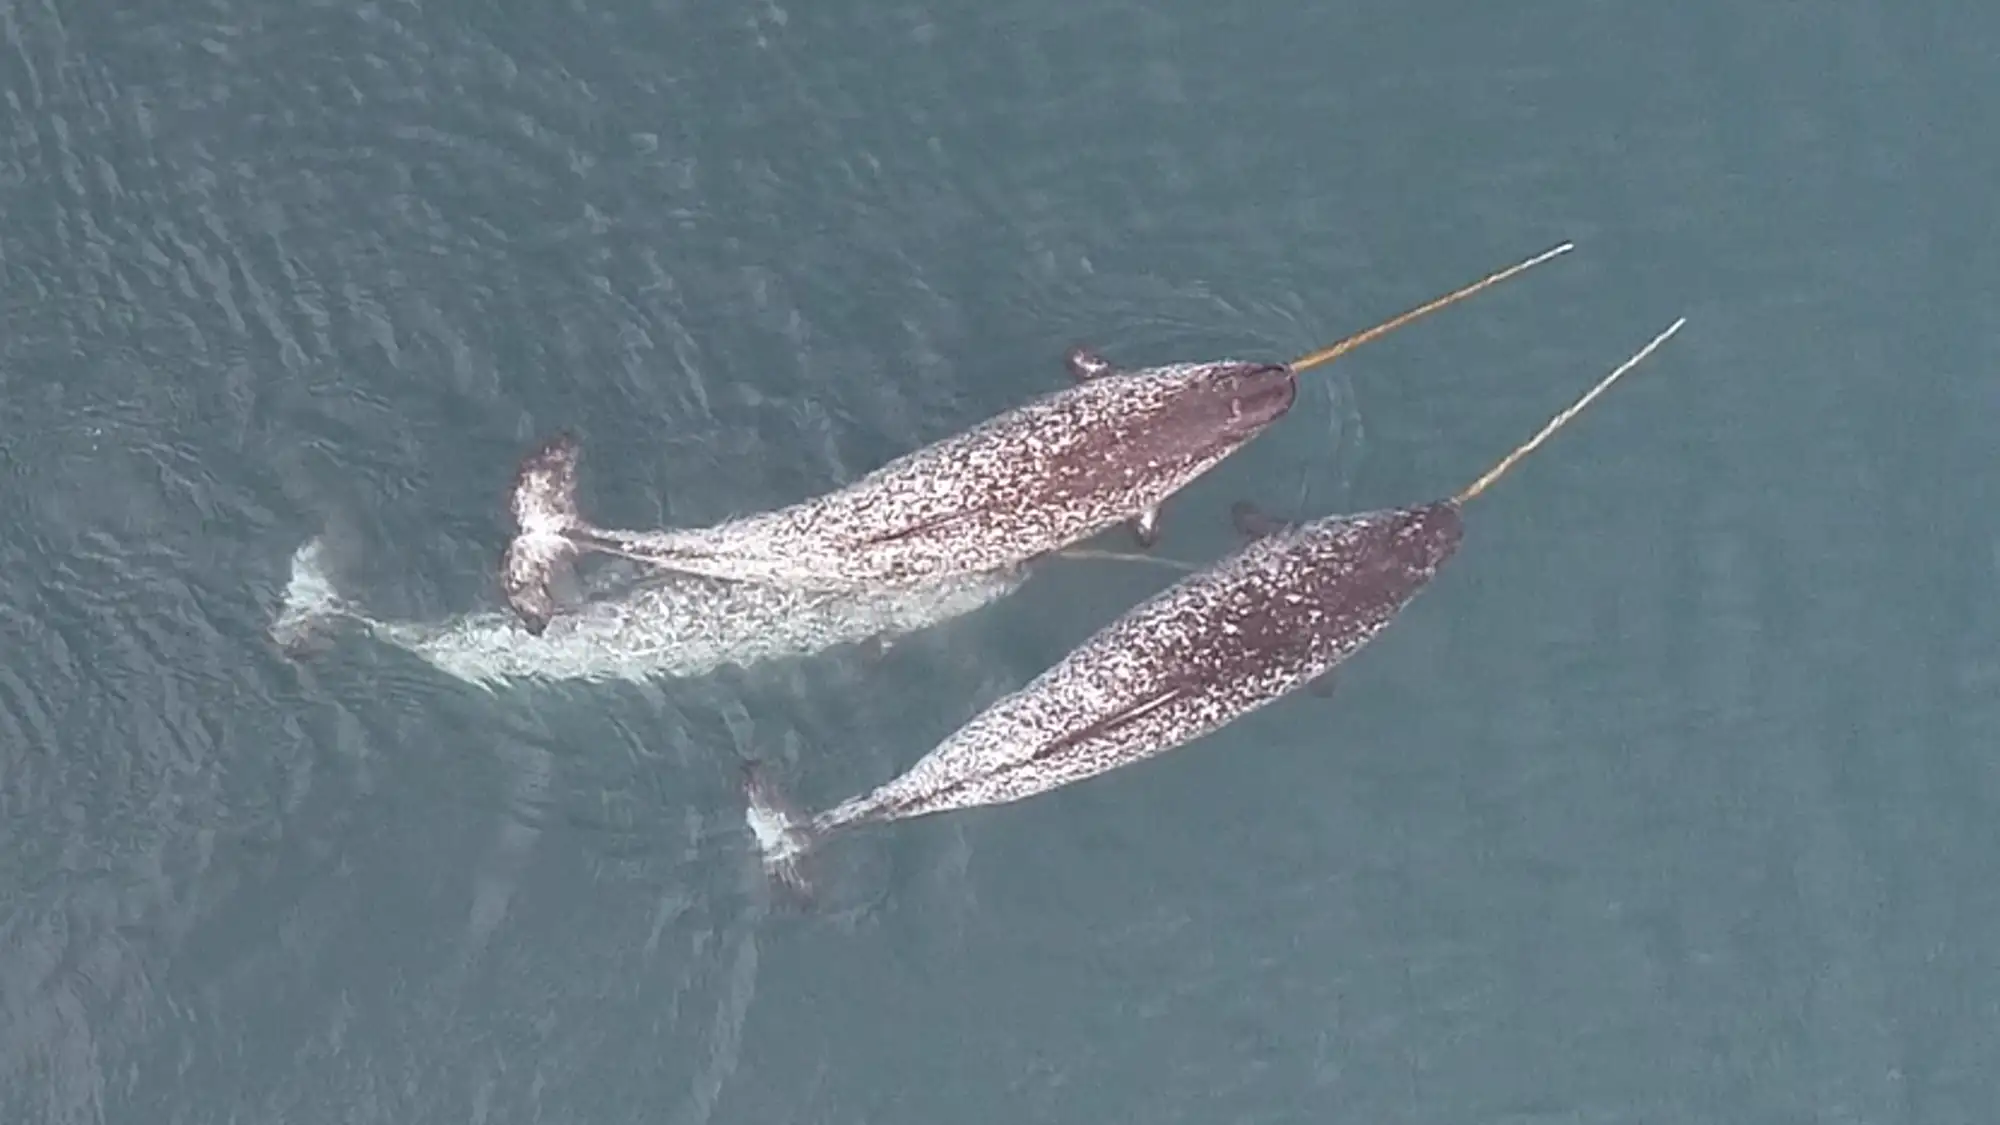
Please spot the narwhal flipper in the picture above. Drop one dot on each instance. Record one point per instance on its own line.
(1253, 523)
(1085, 365)
(1145, 527)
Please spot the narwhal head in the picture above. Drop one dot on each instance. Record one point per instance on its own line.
(1212, 408)
(1251, 396)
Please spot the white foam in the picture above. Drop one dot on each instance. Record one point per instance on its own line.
(310, 597)
(669, 626)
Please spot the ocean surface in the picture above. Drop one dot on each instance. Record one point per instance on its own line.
(1674, 799)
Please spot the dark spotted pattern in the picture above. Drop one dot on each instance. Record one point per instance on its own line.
(1023, 484)
(1199, 655)
(543, 504)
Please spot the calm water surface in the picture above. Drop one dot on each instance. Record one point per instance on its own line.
(1673, 800)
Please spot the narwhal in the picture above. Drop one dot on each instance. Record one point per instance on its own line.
(633, 627)
(1110, 449)
(1278, 614)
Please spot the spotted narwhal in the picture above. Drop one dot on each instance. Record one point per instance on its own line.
(634, 624)
(1110, 449)
(1275, 616)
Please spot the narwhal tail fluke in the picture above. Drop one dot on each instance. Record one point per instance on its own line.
(311, 601)
(783, 836)
(543, 504)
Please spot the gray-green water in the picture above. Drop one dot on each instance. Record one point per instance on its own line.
(1674, 799)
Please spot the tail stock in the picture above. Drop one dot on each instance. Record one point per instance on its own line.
(543, 504)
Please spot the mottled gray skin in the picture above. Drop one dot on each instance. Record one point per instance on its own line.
(1201, 654)
(543, 505)
(1085, 365)
(1043, 476)
(655, 626)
